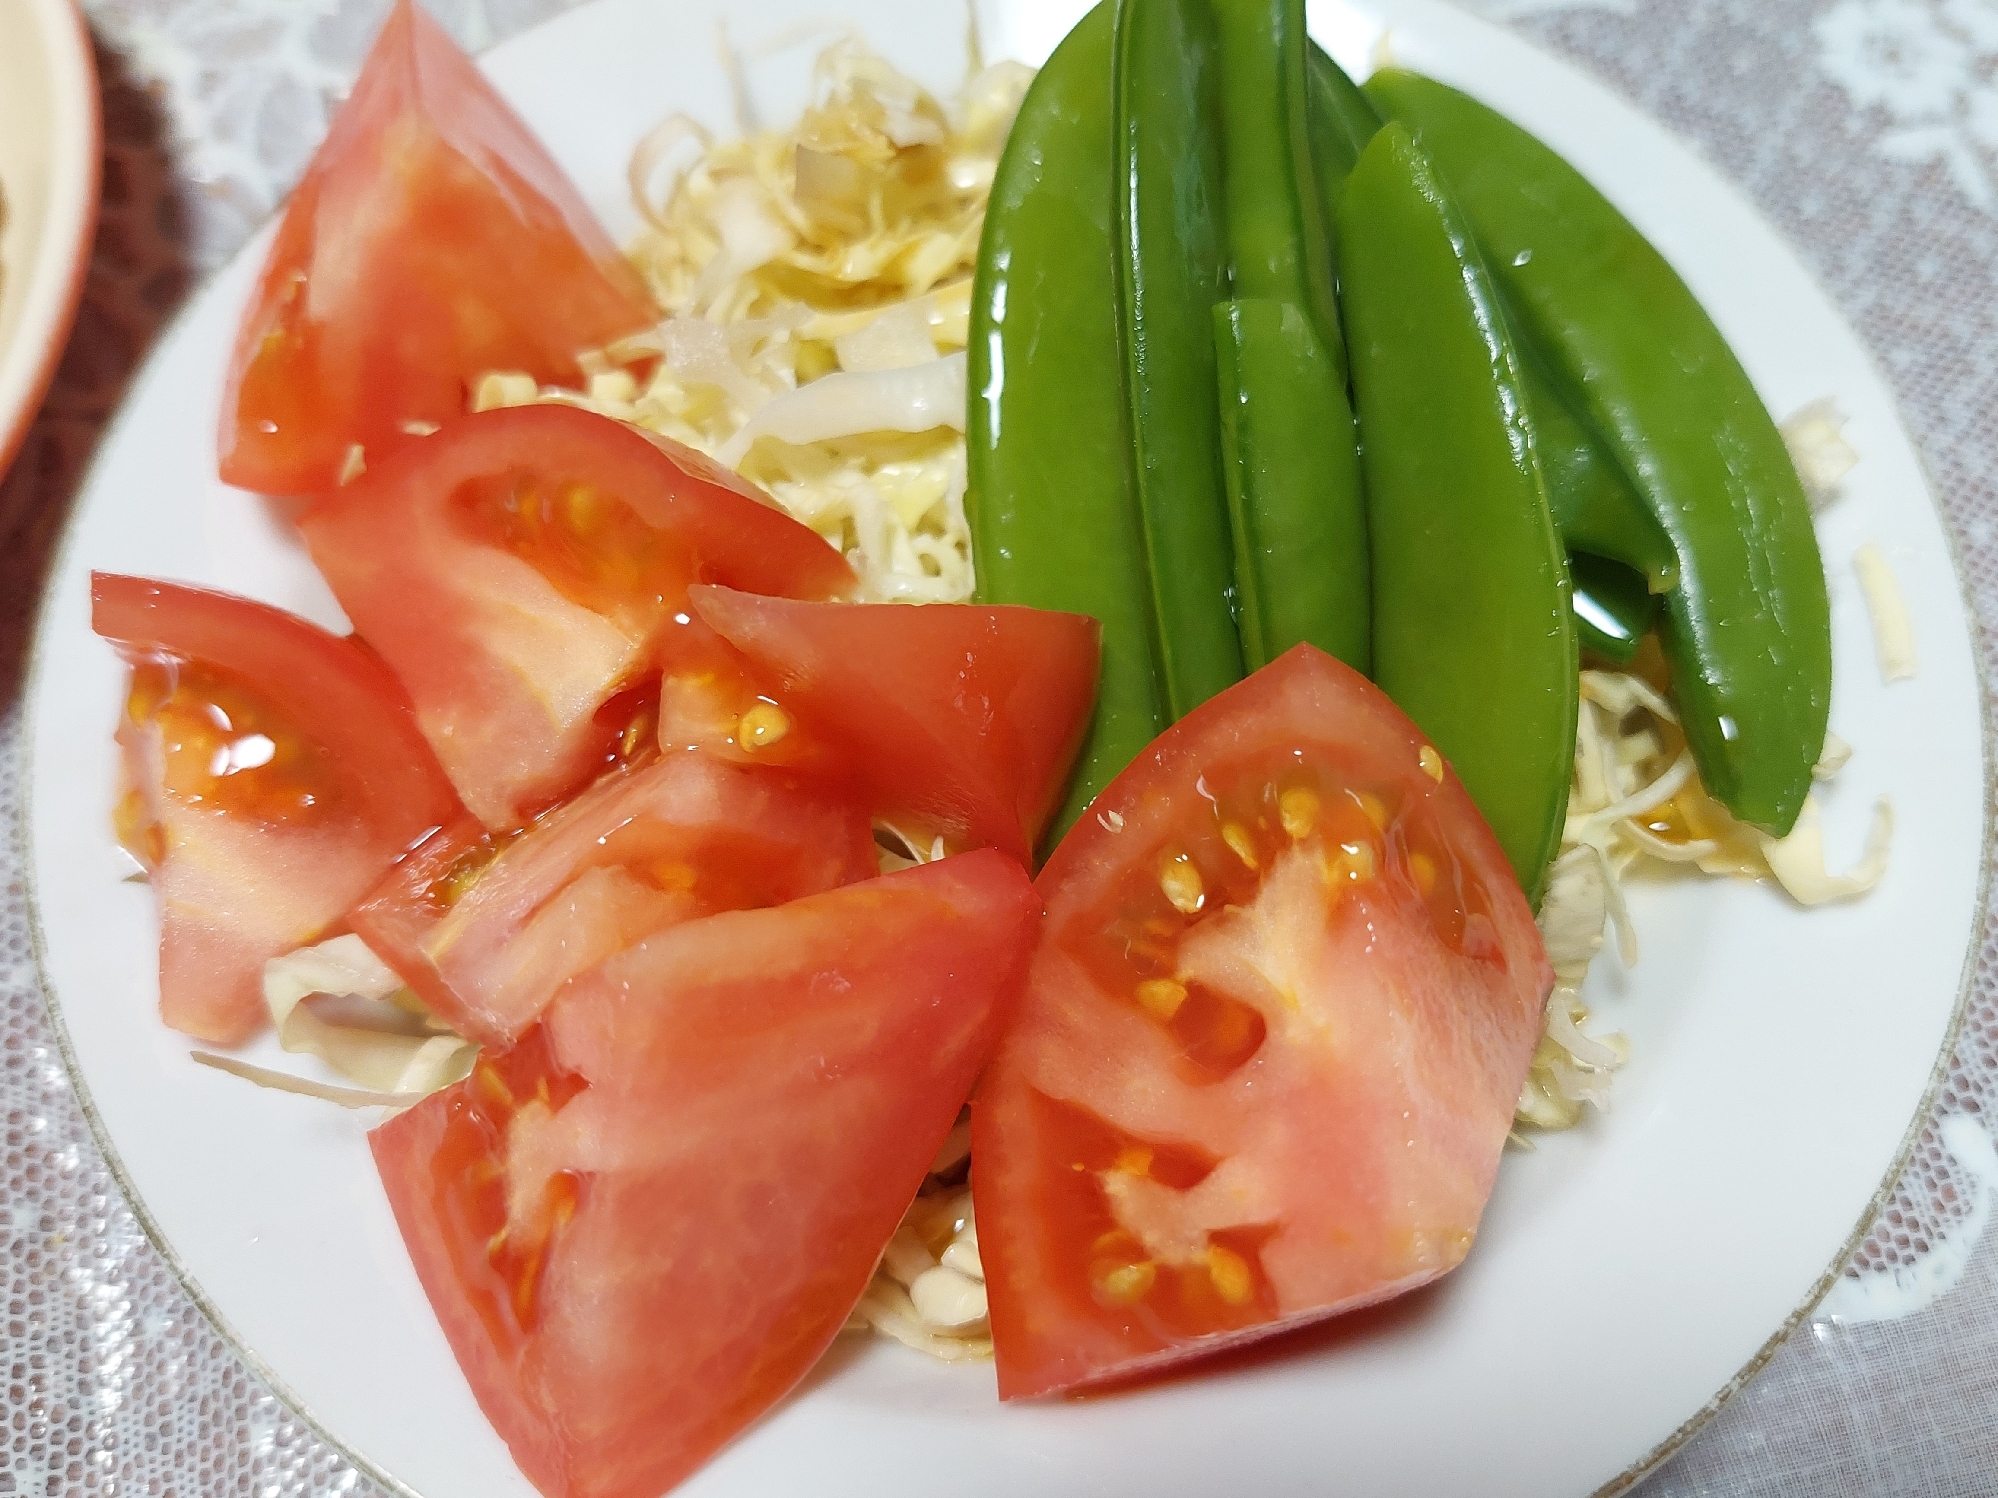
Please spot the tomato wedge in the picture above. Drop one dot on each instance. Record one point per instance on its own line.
(641, 1226)
(958, 721)
(431, 239)
(1284, 1001)
(273, 773)
(487, 932)
(521, 569)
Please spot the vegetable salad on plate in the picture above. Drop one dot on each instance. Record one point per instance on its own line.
(1055, 690)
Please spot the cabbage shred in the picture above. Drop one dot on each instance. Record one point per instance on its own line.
(818, 289)
(1635, 807)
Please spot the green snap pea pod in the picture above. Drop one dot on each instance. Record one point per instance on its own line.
(1276, 228)
(1473, 629)
(1171, 269)
(1341, 122)
(1619, 557)
(1052, 495)
(1338, 100)
(1292, 467)
(1596, 509)
(1613, 606)
(1747, 628)
(1282, 395)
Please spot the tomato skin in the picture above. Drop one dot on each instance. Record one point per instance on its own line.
(243, 875)
(740, 1110)
(432, 238)
(1285, 996)
(512, 622)
(645, 847)
(961, 721)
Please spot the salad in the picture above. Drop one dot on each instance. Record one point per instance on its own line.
(694, 872)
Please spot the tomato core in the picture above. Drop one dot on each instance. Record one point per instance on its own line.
(1216, 1286)
(1261, 810)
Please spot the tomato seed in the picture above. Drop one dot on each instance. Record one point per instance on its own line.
(1126, 1284)
(1374, 807)
(1299, 810)
(1354, 864)
(1237, 838)
(1230, 1273)
(1182, 885)
(1423, 867)
(493, 1085)
(763, 725)
(1161, 997)
(636, 732)
(1133, 1160)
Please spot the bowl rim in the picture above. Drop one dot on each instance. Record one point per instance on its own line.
(60, 256)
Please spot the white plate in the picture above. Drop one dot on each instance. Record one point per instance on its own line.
(48, 178)
(1629, 1273)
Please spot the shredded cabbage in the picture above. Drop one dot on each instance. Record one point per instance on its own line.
(929, 1289)
(340, 1002)
(1636, 806)
(818, 289)
(1893, 631)
(906, 398)
(325, 1092)
(1816, 438)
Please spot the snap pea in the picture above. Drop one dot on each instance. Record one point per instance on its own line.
(1052, 499)
(1747, 628)
(1596, 509)
(1341, 122)
(1473, 629)
(1278, 384)
(1297, 514)
(1613, 606)
(1600, 518)
(1171, 269)
(1276, 228)
(1338, 105)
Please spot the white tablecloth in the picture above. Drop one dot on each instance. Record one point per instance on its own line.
(1867, 130)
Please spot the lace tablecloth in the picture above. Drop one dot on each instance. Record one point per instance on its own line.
(1867, 130)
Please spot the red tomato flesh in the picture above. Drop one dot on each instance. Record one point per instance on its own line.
(525, 574)
(273, 773)
(487, 930)
(431, 239)
(958, 721)
(643, 1225)
(1285, 997)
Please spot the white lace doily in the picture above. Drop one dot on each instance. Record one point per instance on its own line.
(1867, 130)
